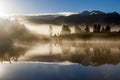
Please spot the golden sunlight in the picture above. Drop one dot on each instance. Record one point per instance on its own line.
(43, 29)
(40, 29)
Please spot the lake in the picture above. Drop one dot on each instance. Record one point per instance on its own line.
(64, 60)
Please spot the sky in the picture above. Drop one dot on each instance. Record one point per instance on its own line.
(55, 6)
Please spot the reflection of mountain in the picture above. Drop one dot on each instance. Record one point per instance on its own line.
(85, 17)
(84, 53)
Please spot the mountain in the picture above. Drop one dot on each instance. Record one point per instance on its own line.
(96, 13)
(85, 17)
(87, 13)
(46, 16)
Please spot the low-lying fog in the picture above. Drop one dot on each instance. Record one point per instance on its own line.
(19, 43)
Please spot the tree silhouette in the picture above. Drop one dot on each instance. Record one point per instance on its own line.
(98, 28)
(108, 28)
(95, 28)
(77, 30)
(50, 30)
(103, 29)
(65, 30)
(87, 29)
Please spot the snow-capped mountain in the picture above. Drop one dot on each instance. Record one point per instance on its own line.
(96, 12)
(85, 13)
(85, 17)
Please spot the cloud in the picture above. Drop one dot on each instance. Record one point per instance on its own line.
(67, 13)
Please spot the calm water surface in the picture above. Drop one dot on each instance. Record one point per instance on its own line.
(60, 61)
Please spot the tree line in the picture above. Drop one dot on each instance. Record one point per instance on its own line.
(97, 28)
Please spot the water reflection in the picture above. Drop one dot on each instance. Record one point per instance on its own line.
(86, 53)
(9, 52)
(64, 60)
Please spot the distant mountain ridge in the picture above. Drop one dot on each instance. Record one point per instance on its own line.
(91, 13)
(85, 17)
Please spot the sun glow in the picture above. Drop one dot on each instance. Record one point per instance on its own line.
(3, 9)
(2, 13)
(43, 29)
(40, 29)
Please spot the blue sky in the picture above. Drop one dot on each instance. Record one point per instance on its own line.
(53, 6)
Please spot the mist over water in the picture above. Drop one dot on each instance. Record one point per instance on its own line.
(29, 49)
(32, 42)
(65, 60)
(56, 40)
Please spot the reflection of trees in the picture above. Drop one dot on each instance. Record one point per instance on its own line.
(89, 56)
(9, 52)
(83, 53)
(65, 49)
(94, 56)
